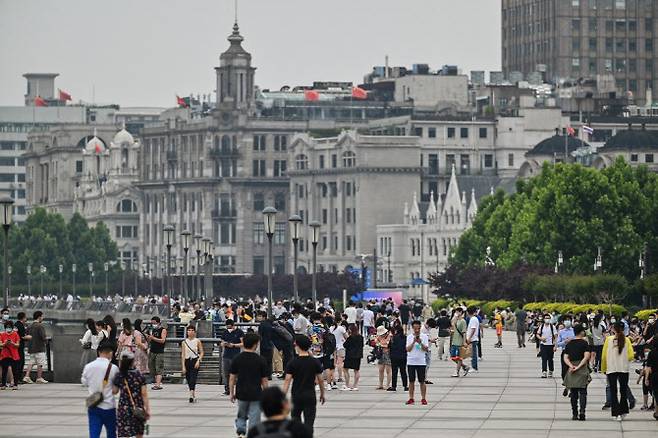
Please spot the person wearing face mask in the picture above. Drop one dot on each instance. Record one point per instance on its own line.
(650, 330)
(565, 335)
(5, 314)
(156, 340)
(547, 335)
(9, 357)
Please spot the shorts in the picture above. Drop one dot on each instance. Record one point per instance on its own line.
(327, 363)
(454, 351)
(156, 364)
(385, 359)
(416, 371)
(352, 363)
(38, 359)
(340, 353)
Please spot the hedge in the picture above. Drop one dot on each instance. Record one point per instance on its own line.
(487, 307)
(644, 314)
(563, 308)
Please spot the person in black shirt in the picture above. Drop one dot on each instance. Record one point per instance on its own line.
(398, 352)
(651, 373)
(276, 408)
(443, 341)
(576, 358)
(353, 346)
(249, 376)
(21, 328)
(231, 343)
(405, 313)
(304, 372)
(156, 339)
(265, 331)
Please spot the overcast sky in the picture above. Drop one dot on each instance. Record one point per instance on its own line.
(143, 52)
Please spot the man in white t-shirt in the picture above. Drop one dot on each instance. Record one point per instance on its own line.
(368, 320)
(473, 336)
(99, 376)
(300, 323)
(350, 312)
(417, 346)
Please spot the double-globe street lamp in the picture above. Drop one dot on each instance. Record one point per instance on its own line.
(197, 278)
(7, 203)
(185, 235)
(269, 217)
(295, 222)
(169, 238)
(315, 238)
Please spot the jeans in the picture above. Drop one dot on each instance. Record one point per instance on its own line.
(565, 367)
(520, 338)
(546, 352)
(474, 356)
(399, 364)
(618, 402)
(578, 394)
(267, 355)
(102, 417)
(598, 350)
(306, 405)
(443, 345)
(247, 410)
(191, 373)
(226, 372)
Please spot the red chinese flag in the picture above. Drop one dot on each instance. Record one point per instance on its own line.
(39, 101)
(63, 95)
(181, 102)
(359, 93)
(311, 95)
(99, 149)
(571, 131)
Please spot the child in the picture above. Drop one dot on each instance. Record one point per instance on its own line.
(9, 356)
(499, 330)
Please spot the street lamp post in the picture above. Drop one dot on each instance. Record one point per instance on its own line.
(9, 275)
(29, 280)
(206, 250)
(269, 217)
(7, 203)
(61, 271)
(135, 267)
(169, 236)
(210, 269)
(90, 266)
(315, 237)
(123, 278)
(295, 228)
(74, 268)
(106, 267)
(186, 247)
(150, 271)
(42, 271)
(197, 277)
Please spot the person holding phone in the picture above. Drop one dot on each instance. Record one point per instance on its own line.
(417, 345)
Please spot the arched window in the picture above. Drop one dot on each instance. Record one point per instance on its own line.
(226, 143)
(127, 206)
(216, 142)
(301, 162)
(349, 159)
(124, 158)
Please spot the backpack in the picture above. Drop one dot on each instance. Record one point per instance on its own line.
(329, 343)
(282, 333)
(317, 335)
(281, 432)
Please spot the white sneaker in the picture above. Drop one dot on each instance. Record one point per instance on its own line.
(473, 371)
(356, 388)
(27, 379)
(550, 374)
(455, 374)
(41, 380)
(618, 418)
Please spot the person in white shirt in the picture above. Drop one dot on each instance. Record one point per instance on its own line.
(300, 323)
(547, 335)
(98, 376)
(340, 333)
(351, 313)
(473, 336)
(417, 346)
(368, 320)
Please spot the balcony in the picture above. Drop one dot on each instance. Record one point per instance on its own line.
(223, 152)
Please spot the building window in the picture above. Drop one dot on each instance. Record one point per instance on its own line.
(450, 161)
(593, 25)
(321, 164)
(575, 25)
(648, 45)
(634, 158)
(349, 159)
(259, 143)
(575, 63)
(451, 132)
(463, 132)
(648, 158)
(348, 243)
(334, 161)
(488, 160)
(259, 233)
(280, 143)
(126, 206)
(483, 132)
(280, 233)
(510, 160)
(433, 164)
(575, 44)
(280, 201)
(592, 44)
(431, 132)
(325, 215)
(259, 202)
(348, 215)
(259, 265)
(465, 168)
(301, 162)
(78, 166)
(418, 131)
(620, 4)
(258, 168)
(632, 46)
(280, 167)
(348, 189)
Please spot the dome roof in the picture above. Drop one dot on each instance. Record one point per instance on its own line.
(123, 137)
(95, 146)
(555, 145)
(632, 139)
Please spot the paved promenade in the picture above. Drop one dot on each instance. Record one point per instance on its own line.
(507, 398)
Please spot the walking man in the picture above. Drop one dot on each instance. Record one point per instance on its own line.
(249, 376)
(457, 341)
(156, 340)
(231, 343)
(521, 326)
(473, 336)
(97, 377)
(417, 347)
(36, 348)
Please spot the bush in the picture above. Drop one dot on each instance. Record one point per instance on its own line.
(574, 308)
(644, 314)
(489, 307)
(438, 304)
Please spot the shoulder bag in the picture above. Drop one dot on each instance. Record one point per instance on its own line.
(97, 398)
(139, 413)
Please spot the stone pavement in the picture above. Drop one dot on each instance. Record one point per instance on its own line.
(507, 398)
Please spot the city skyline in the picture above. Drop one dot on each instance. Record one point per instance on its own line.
(135, 68)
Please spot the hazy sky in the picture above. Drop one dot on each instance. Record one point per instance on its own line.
(143, 52)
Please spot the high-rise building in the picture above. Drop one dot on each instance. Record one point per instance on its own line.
(583, 38)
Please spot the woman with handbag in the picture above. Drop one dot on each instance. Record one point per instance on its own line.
(191, 357)
(134, 409)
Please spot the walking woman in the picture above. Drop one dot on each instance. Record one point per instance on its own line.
(87, 342)
(141, 357)
(113, 335)
(547, 336)
(353, 354)
(399, 358)
(598, 337)
(615, 363)
(576, 358)
(191, 357)
(382, 341)
(339, 331)
(134, 409)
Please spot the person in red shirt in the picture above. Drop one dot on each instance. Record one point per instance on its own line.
(9, 357)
